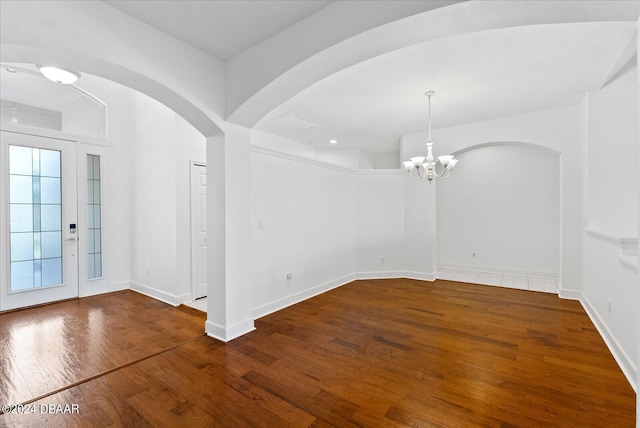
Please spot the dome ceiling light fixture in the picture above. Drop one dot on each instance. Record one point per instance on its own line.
(418, 168)
(58, 75)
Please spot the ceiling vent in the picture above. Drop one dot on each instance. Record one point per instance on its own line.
(291, 122)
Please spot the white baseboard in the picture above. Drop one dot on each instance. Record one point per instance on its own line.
(498, 270)
(292, 299)
(423, 276)
(226, 334)
(172, 299)
(625, 363)
(119, 286)
(380, 274)
(570, 294)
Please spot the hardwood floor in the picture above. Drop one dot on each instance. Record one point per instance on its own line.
(52, 346)
(370, 353)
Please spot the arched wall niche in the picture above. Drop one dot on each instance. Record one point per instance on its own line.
(500, 211)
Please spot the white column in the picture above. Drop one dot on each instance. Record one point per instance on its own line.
(229, 305)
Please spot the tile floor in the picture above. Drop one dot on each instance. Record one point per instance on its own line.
(533, 283)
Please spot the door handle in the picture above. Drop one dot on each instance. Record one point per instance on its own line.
(70, 240)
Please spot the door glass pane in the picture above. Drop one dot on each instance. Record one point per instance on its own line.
(35, 223)
(21, 275)
(51, 219)
(94, 207)
(49, 163)
(21, 246)
(50, 190)
(21, 189)
(21, 160)
(50, 244)
(51, 271)
(21, 217)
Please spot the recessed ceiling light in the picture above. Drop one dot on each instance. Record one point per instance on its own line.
(59, 75)
(12, 70)
(334, 141)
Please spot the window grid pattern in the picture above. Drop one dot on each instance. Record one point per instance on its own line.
(94, 223)
(35, 217)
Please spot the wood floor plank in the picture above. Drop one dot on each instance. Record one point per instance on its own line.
(387, 353)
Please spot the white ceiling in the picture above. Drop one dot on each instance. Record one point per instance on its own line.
(220, 28)
(370, 105)
(476, 77)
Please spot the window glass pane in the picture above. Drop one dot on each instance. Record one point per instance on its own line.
(21, 246)
(97, 239)
(37, 273)
(51, 271)
(50, 218)
(49, 190)
(91, 242)
(36, 230)
(89, 167)
(21, 275)
(90, 224)
(21, 160)
(20, 189)
(35, 162)
(89, 193)
(96, 167)
(96, 216)
(98, 265)
(51, 244)
(94, 254)
(49, 163)
(21, 218)
(96, 192)
(91, 270)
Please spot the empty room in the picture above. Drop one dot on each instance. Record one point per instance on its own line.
(319, 213)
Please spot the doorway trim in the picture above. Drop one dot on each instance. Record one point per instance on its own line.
(194, 206)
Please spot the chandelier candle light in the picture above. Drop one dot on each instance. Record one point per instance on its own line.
(428, 169)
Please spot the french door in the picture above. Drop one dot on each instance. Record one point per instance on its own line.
(38, 219)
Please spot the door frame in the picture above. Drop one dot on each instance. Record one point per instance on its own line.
(48, 294)
(192, 229)
(84, 145)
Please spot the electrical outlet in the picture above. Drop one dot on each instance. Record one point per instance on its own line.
(148, 272)
(609, 305)
(381, 260)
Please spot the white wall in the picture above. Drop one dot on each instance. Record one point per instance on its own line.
(556, 129)
(120, 128)
(189, 145)
(612, 180)
(610, 295)
(500, 211)
(610, 292)
(379, 224)
(150, 231)
(323, 223)
(307, 215)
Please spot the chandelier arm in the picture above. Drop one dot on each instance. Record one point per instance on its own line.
(445, 172)
(418, 176)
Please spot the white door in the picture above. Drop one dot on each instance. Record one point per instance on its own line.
(199, 230)
(38, 213)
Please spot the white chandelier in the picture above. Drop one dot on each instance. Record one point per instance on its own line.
(418, 168)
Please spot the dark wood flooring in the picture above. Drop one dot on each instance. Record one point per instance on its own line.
(370, 353)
